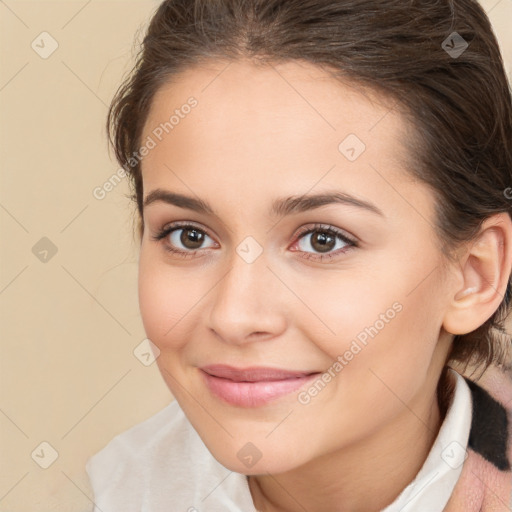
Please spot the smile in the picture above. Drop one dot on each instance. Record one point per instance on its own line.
(252, 387)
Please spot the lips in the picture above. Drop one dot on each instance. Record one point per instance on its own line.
(255, 386)
(253, 374)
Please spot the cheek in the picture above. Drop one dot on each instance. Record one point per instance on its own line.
(380, 359)
(381, 321)
(164, 300)
(348, 308)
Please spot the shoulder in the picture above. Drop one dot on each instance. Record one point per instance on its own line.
(490, 434)
(159, 462)
(128, 461)
(135, 441)
(485, 483)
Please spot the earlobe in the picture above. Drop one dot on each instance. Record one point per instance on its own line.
(484, 271)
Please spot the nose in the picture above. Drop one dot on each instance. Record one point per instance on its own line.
(248, 303)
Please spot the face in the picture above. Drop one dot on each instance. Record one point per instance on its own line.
(334, 305)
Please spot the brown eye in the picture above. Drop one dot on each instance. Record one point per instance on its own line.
(326, 243)
(183, 239)
(322, 241)
(191, 238)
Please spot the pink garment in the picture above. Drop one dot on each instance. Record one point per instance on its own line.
(485, 484)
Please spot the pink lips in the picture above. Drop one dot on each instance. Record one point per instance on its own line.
(252, 387)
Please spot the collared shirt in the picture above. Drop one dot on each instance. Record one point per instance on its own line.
(162, 465)
(434, 484)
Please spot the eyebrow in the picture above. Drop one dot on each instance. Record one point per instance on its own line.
(280, 207)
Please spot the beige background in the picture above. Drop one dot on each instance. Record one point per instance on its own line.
(70, 323)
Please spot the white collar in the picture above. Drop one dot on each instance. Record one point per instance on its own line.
(434, 483)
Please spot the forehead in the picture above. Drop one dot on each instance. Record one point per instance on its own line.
(284, 125)
(268, 95)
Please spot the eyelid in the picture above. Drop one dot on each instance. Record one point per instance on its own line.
(164, 231)
(328, 227)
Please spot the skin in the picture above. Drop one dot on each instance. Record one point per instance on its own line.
(261, 133)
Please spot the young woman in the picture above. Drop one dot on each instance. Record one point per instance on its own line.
(324, 196)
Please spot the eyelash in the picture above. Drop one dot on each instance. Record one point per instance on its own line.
(351, 243)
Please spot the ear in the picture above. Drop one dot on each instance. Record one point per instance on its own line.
(482, 277)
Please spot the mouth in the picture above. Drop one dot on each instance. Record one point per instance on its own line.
(254, 386)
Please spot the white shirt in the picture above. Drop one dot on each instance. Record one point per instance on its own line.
(162, 465)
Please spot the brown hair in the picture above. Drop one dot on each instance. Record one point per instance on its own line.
(458, 103)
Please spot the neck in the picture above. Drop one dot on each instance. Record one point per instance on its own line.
(385, 463)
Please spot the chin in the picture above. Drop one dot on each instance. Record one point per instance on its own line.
(249, 460)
